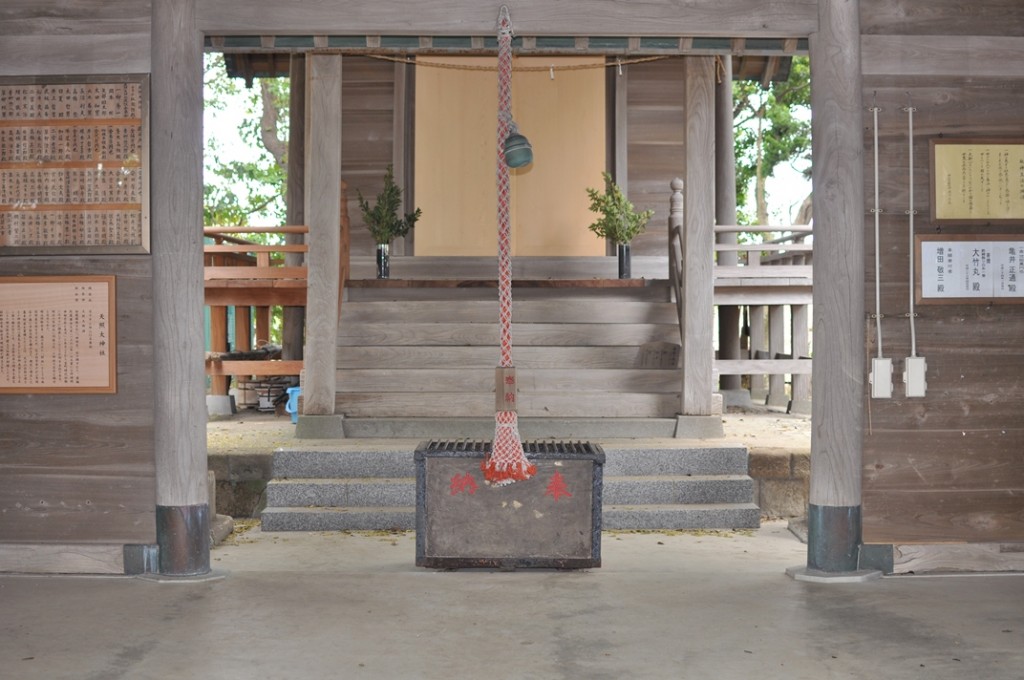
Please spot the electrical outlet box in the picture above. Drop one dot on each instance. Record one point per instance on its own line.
(914, 372)
(881, 378)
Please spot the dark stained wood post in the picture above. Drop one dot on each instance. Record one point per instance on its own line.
(698, 235)
(725, 213)
(182, 506)
(834, 515)
(294, 318)
(323, 210)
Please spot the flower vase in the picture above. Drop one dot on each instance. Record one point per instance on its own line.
(625, 269)
(383, 261)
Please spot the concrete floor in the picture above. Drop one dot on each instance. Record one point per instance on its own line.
(339, 606)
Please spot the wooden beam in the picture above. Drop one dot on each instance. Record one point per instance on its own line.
(742, 18)
(763, 366)
(51, 558)
(947, 56)
(323, 208)
(268, 367)
(698, 233)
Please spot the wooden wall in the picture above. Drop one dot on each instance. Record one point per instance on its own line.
(949, 466)
(655, 126)
(73, 468)
(79, 468)
(367, 113)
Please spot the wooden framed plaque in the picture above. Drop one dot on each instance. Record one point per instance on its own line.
(969, 269)
(74, 173)
(977, 181)
(58, 334)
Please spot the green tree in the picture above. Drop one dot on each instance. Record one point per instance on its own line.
(245, 170)
(245, 161)
(772, 127)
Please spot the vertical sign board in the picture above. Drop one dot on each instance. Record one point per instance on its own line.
(977, 181)
(965, 269)
(57, 334)
(73, 165)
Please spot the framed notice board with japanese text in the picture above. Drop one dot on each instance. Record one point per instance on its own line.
(977, 181)
(58, 334)
(969, 269)
(74, 174)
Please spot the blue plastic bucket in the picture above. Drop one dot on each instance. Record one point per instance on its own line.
(292, 405)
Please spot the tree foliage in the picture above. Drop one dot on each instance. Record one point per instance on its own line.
(772, 127)
(239, 188)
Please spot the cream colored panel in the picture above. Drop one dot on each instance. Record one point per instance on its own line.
(564, 119)
(456, 129)
(456, 120)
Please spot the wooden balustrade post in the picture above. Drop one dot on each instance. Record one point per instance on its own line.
(758, 350)
(800, 399)
(776, 346)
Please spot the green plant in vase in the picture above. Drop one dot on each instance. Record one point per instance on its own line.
(620, 222)
(385, 221)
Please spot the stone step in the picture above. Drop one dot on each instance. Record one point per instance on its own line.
(383, 462)
(669, 490)
(619, 517)
(384, 492)
(665, 517)
(586, 429)
(339, 519)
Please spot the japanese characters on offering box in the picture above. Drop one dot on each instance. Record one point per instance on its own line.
(965, 269)
(71, 171)
(978, 181)
(57, 334)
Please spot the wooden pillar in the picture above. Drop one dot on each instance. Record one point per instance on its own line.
(243, 328)
(725, 213)
(618, 86)
(800, 401)
(176, 208)
(834, 515)
(401, 156)
(323, 209)
(219, 343)
(294, 318)
(776, 346)
(698, 247)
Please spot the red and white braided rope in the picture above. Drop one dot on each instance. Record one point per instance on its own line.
(507, 462)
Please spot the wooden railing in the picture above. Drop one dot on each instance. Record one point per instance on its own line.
(769, 276)
(245, 275)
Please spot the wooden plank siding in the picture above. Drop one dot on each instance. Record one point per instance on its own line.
(947, 467)
(367, 145)
(77, 469)
(655, 130)
(51, 37)
(746, 18)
